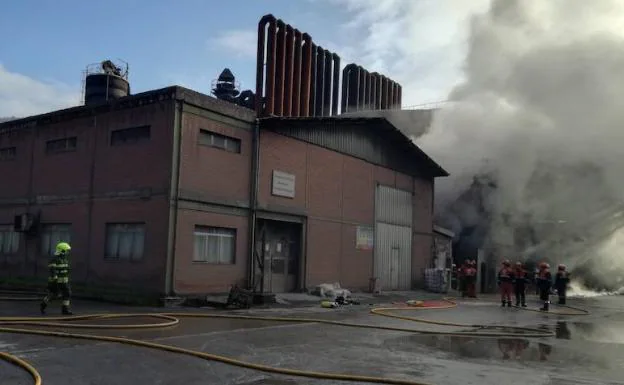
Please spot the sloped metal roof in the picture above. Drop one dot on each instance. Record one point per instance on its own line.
(388, 129)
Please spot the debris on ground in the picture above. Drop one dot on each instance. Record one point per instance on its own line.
(339, 301)
(330, 290)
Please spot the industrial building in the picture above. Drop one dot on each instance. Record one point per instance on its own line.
(174, 192)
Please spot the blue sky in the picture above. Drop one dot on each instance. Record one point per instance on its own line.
(45, 45)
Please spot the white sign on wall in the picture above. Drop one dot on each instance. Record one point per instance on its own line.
(283, 184)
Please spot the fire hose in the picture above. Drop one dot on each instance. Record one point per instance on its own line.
(172, 319)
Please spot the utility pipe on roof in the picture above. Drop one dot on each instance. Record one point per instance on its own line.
(264, 93)
(335, 84)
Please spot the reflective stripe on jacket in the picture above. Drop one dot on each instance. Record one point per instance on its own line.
(59, 270)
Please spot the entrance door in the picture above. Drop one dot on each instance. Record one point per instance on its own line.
(280, 246)
(394, 268)
(278, 266)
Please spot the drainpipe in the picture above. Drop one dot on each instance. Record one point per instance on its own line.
(91, 198)
(30, 201)
(173, 200)
(253, 206)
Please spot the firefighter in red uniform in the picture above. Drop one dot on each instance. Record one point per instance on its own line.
(461, 277)
(561, 283)
(521, 278)
(544, 282)
(471, 279)
(505, 282)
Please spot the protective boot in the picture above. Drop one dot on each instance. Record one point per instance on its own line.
(42, 307)
(503, 303)
(66, 311)
(545, 308)
(524, 304)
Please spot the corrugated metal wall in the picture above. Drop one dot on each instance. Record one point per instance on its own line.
(393, 238)
(355, 139)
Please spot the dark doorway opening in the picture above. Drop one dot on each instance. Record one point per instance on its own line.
(278, 256)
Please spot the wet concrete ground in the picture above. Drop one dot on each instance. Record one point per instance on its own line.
(586, 350)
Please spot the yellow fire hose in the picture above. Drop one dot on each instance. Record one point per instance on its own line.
(172, 319)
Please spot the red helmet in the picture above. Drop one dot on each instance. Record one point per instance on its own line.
(544, 265)
(561, 267)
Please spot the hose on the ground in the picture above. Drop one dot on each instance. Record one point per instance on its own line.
(172, 319)
(576, 310)
(22, 364)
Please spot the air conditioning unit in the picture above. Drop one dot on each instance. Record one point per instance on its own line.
(24, 222)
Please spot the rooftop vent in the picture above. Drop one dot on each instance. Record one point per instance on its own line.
(225, 87)
(105, 81)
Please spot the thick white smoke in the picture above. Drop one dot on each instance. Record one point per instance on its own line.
(542, 111)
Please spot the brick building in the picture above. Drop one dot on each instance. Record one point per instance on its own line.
(175, 192)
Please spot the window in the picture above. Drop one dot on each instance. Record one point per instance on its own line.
(130, 135)
(61, 145)
(214, 245)
(53, 234)
(9, 240)
(125, 241)
(8, 153)
(223, 142)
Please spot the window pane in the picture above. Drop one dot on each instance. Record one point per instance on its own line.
(53, 234)
(125, 241)
(130, 135)
(125, 244)
(223, 142)
(227, 249)
(14, 243)
(214, 245)
(212, 249)
(198, 248)
(2, 241)
(138, 244)
(45, 243)
(112, 244)
(218, 141)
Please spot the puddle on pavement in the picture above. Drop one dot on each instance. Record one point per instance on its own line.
(489, 348)
(570, 344)
(603, 332)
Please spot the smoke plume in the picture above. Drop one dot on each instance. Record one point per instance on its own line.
(541, 115)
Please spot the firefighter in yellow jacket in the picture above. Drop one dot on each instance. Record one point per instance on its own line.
(58, 281)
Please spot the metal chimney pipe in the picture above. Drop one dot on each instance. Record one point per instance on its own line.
(306, 75)
(327, 84)
(384, 92)
(270, 68)
(361, 89)
(373, 86)
(368, 92)
(336, 84)
(396, 96)
(262, 39)
(289, 66)
(313, 81)
(297, 73)
(280, 68)
(320, 81)
(350, 81)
